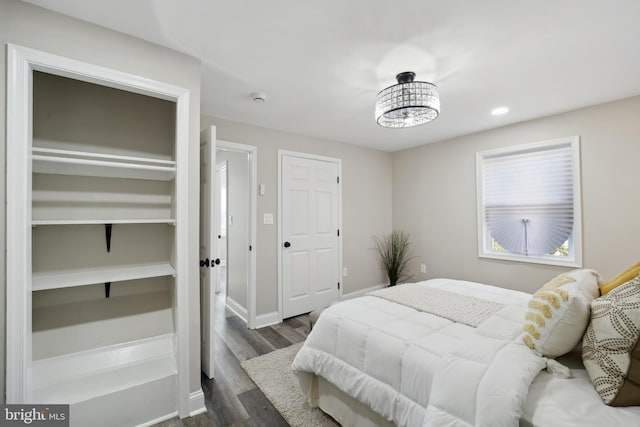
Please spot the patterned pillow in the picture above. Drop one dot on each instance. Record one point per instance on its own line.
(558, 313)
(611, 345)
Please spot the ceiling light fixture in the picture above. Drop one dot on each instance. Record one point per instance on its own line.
(407, 103)
(498, 111)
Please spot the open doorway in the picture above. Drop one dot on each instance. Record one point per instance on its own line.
(217, 215)
(221, 179)
(235, 174)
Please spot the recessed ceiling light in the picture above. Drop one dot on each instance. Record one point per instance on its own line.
(500, 111)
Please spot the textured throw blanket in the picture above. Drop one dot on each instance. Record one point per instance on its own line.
(465, 309)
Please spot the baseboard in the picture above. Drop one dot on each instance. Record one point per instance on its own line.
(196, 403)
(158, 420)
(196, 406)
(237, 309)
(361, 292)
(267, 319)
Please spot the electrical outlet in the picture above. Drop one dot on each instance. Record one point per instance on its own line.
(423, 268)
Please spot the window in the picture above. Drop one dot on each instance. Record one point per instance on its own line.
(529, 203)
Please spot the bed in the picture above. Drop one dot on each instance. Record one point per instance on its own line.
(453, 357)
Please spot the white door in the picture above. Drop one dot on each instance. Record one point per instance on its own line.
(310, 233)
(208, 243)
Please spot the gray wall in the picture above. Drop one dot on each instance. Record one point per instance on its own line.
(33, 27)
(366, 208)
(238, 227)
(434, 196)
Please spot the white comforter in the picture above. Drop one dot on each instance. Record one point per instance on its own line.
(418, 369)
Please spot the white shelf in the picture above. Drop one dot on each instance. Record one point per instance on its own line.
(68, 278)
(67, 162)
(86, 375)
(169, 221)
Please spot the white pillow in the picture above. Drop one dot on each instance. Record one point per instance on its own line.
(559, 312)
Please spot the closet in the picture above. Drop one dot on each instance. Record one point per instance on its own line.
(104, 302)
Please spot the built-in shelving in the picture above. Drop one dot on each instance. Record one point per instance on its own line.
(169, 221)
(89, 147)
(91, 276)
(69, 162)
(74, 378)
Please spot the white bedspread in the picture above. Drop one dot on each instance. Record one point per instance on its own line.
(419, 369)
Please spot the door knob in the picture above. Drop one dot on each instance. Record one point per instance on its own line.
(287, 244)
(217, 262)
(204, 262)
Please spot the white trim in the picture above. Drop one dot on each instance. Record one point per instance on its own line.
(362, 292)
(282, 153)
(183, 272)
(159, 419)
(576, 237)
(22, 62)
(237, 309)
(196, 403)
(79, 70)
(18, 226)
(267, 319)
(252, 151)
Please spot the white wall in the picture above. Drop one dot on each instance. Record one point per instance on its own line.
(33, 27)
(366, 208)
(434, 196)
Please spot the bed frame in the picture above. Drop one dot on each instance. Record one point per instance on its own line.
(345, 409)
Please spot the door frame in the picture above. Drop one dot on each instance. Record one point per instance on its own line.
(222, 165)
(281, 154)
(21, 62)
(252, 152)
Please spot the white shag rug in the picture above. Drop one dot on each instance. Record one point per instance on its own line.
(272, 374)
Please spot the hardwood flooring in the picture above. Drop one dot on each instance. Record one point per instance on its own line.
(232, 398)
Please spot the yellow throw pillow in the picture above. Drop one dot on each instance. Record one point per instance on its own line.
(559, 312)
(629, 274)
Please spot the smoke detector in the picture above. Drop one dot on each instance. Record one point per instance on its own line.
(259, 97)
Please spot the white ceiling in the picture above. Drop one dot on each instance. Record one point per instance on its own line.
(321, 63)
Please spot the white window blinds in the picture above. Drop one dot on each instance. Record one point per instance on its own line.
(527, 197)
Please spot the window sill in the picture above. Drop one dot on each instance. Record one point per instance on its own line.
(533, 259)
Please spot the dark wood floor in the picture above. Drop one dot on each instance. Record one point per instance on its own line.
(232, 398)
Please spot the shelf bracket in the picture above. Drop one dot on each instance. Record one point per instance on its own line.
(107, 289)
(107, 233)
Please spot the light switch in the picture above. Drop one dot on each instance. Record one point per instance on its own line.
(261, 190)
(267, 218)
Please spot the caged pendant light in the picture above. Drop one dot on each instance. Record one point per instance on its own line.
(408, 103)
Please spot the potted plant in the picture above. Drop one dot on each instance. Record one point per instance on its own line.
(395, 253)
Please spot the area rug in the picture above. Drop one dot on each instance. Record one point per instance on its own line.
(273, 376)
